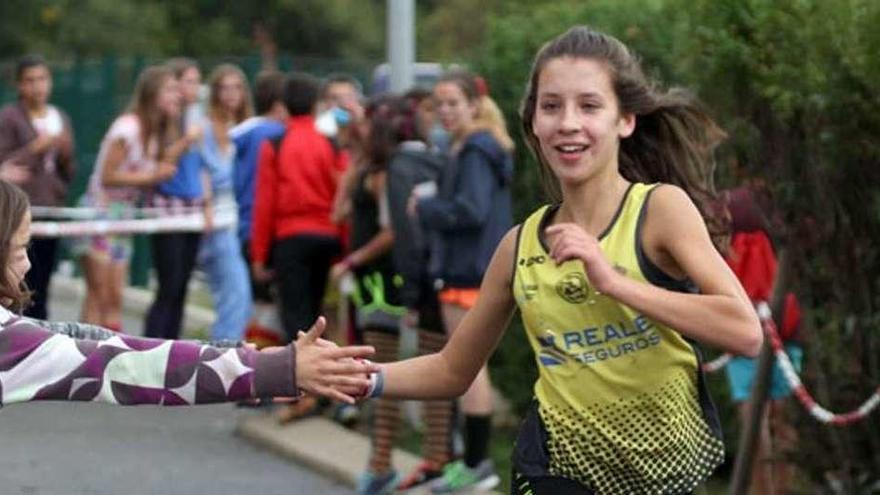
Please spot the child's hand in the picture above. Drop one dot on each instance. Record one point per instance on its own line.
(14, 173)
(261, 273)
(335, 372)
(41, 143)
(194, 134)
(355, 391)
(569, 241)
(338, 270)
(412, 206)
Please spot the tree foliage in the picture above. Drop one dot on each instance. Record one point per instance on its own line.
(84, 28)
(66, 28)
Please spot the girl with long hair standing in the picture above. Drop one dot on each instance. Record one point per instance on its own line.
(174, 253)
(139, 151)
(220, 254)
(469, 216)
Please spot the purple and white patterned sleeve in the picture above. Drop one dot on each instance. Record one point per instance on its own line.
(36, 364)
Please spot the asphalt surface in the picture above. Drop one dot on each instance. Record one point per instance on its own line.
(68, 448)
(83, 448)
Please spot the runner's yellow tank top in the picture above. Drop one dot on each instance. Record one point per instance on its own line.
(620, 395)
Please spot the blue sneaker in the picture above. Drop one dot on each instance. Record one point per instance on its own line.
(370, 483)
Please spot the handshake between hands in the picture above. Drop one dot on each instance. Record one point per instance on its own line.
(338, 373)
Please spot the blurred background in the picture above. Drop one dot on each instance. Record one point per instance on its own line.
(794, 83)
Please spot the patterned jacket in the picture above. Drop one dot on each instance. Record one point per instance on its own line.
(39, 363)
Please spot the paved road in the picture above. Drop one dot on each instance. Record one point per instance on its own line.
(69, 448)
(66, 448)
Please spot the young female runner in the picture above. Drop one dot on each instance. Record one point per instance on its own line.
(614, 280)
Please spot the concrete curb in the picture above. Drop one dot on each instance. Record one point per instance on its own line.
(319, 444)
(324, 447)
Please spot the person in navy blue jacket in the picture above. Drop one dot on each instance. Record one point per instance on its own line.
(468, 215)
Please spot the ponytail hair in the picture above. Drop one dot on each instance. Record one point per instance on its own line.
(674, 138)
(489, 118)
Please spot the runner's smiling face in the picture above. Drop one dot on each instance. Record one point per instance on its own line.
(578, 122)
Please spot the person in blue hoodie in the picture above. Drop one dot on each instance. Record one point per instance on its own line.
(469, 214)
(220, 251)
(248, 136)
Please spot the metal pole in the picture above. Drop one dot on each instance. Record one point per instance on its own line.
(401, 37)
(748, 440)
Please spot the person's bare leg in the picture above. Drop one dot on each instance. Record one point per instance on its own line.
(117, 279)
(93, 266)
(386, 416)
(476, 403)
(437, 414)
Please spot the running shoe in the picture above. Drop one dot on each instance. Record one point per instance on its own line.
(421, 477)
(370, 483)
(458, 477)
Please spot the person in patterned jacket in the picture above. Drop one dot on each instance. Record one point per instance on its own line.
(40, 361)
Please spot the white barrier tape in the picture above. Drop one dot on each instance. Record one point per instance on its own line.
(192, 222)
(717, 363)
(790, 374)
(800, 391)
(88, 213)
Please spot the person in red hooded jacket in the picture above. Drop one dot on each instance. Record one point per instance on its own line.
(753, 260)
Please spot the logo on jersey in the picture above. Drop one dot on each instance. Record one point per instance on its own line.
(532, 260)
(529, 291)
(550, 355)
(573, 287)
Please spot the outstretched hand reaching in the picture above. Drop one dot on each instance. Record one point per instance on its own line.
(338, 373)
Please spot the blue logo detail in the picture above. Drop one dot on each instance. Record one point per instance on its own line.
(549, 361)
(550, 355)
